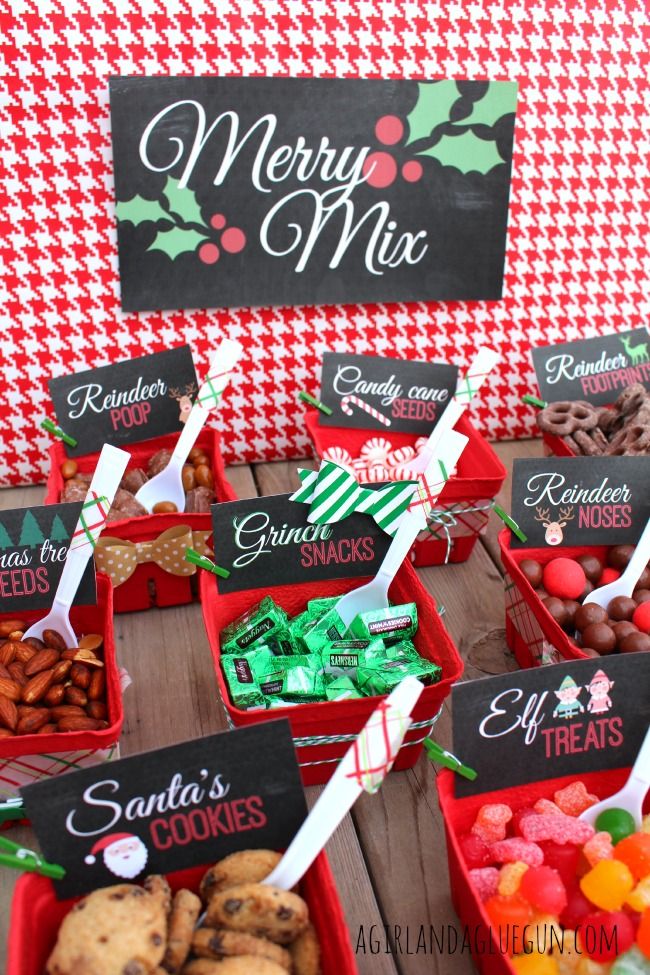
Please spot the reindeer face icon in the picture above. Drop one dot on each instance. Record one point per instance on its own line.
(553, 534)
(184, 400)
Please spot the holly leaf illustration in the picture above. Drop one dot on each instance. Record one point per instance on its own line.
(500, 99)
(176, 241)
(138, 210)
(465, 152)
(182, 201)
(435, 99)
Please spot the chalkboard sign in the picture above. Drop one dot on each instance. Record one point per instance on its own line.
(291, 191)
(547, 722)
(33, 547)
(127, 401)
(580, 500)
(376, 393)
(169, 809)
(596, 370)
(269, 542)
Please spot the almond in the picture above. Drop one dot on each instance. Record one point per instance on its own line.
(75, 695)
(77, 722)
(34, 689)
(31, 723)
(9, 713)
(91, 641)
(66, 711)
(69, 654)
(61, 670)
(24, 709)
(47, 729)
(7, 653)
(34, 643)
(8, 626)
(17, 673)
(54, 695)
(24, 651)
(53, 639)
(10, 689)
(96, 709)
(42, 660)
(97, 685)
(4, 672)
(5, 733)
(88, 658)
(15, 635)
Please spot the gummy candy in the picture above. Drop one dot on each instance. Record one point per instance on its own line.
(605, 934)
(577, 908)
(518, 816)
(643, 933)
(561, 828)
(485, 880)
(491, 822)
(475, 852)
(607, 885)
(563, 857)
(543, 889)
(534, 964)
(516, 848)
(599, 847)
(510, 877)
(635, 852)
(508, 910)
(639, 899)
(574, 799)
(546, 807)
(617, 822)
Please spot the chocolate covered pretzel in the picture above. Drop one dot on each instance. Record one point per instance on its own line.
(564, 418)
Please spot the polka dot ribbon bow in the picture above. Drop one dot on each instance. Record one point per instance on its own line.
(333, 493)
(119, 558)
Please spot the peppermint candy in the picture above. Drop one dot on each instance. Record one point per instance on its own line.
(400, 455)
(339, 455)
(375, 452)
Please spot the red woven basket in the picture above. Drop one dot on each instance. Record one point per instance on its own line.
(478, 480)
(323, 732)
(65, 751)
(36, 916)
(150, 585)
(458, 816)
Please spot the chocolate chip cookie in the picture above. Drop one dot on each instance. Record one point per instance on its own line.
(221, 943)
(244, 867)
(259, 909)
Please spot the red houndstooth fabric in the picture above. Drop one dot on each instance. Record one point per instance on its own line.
(577, 257)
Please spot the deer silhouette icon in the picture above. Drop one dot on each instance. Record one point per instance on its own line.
(553, 534)
(183, 398)
(638, 353)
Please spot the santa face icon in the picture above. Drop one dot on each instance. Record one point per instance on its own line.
(124, 855)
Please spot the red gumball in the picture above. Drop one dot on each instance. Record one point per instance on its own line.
(609, 575)
(641, 617)
(564, 578)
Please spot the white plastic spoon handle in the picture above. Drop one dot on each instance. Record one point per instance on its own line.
(639, 559)
(105, 482)
(344, 788)
(193, 426)
(641, 769)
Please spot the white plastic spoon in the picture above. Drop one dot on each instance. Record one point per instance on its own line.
(631, 796)
(374, 595)
(484, 361)
(626, 583)
(168, 484)
(377, 746)
(105, 482)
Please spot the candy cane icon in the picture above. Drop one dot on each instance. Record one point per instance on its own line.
(347, 402)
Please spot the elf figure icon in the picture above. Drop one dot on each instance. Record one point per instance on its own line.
(599, 688)
(569, 704)
(124, 854)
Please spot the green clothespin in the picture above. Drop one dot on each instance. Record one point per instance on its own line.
(56, 431)
(510, 522)
(204, 562)
(11, 809)
(308, 398)
(534, 401)
(438, 754)
(28, 861)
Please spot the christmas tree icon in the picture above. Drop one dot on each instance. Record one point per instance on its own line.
(5, 539)
(30, 534)
(58, 532)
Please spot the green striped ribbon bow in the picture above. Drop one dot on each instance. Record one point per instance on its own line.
(333, 493)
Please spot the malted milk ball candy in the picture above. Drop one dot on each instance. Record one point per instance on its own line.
(586, 592)
(634, 643)
(589, 652)
(592, 566)
(621, 608)
(572, 606)
(532, 570)
(619, 556)
(600, 636)
(589, 613)
(644, 579)
(557, 609)
(623, 629)
(641, 617)
(641, 596)
(564, 578)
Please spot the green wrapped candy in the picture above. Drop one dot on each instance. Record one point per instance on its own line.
(298, 626)
(342, 657)
(341, 689)
(383, 677)
(327, 629)
(318, 607)
(402, 650)
(282, 643)
(391, 623)
(299, 676)
(242, 673)
(253, 627)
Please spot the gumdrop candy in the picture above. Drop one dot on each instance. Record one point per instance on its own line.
(561, 828)
(643, 933)
(599, 847)
(515, 848)
(577, 908)
(534, 964)
(607, 885)
(563, 857)
(508, 910)
(574, 799)
(510, 877)
(475, 852)
(605, 934)
(633, 962)
(546, 807)
(543, 888)
(635, 852)
(518, 816)
(619, 823)
(639, 898)
(491, 822)
(485, 880)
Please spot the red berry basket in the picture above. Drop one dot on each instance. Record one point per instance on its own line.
(555, 446)
(36, 916)
(150, 585)
(459, 815)
(323, 732)
(532, 634)
(27, 758)
(465, 504)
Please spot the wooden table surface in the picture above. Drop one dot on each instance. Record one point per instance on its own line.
(388, 856)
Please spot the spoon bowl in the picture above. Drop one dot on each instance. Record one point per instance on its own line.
(631, 796)
(626, 583)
